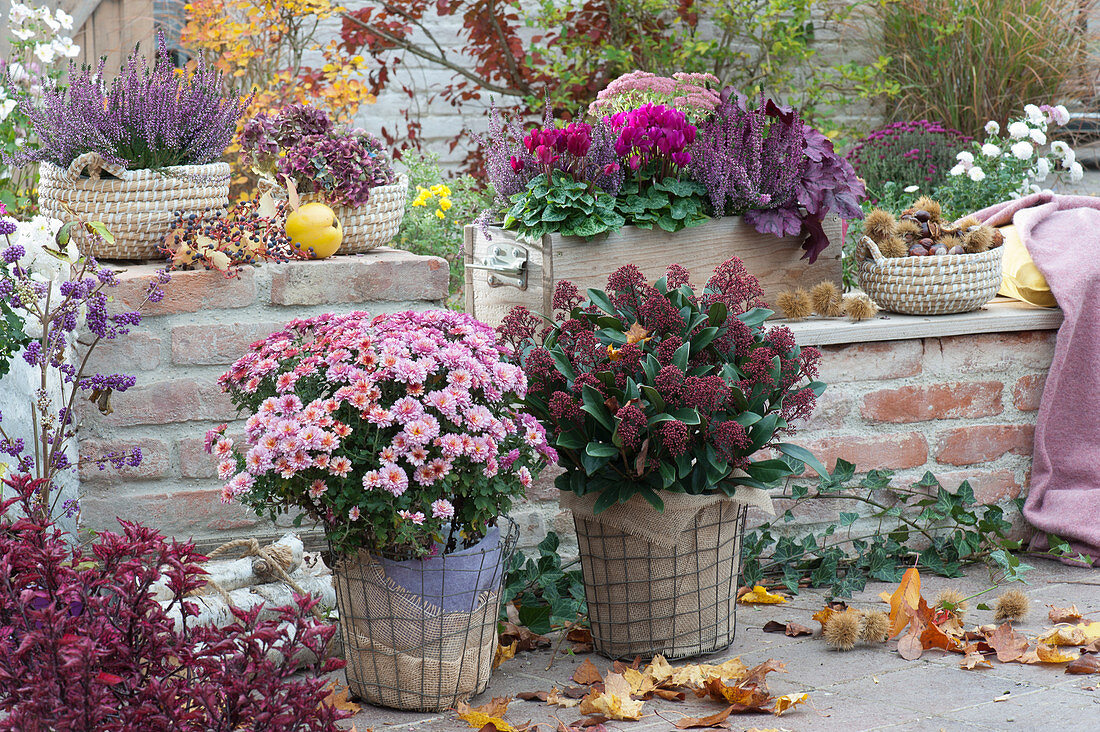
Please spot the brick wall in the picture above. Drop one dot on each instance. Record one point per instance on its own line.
(204, 323)
(962, 407)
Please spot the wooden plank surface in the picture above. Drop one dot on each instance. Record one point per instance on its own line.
(776, 262)
(1002, 315)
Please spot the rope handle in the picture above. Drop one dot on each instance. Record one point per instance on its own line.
(270, 562)
(867, 246)
(95, 164)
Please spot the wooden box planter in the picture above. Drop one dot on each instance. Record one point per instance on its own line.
(502, 271)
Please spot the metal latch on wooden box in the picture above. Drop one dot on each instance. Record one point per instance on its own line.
(506, 265)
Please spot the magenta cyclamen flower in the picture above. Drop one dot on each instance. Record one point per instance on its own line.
(653, 137)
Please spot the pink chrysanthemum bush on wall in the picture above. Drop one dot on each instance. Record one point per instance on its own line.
(400, 431)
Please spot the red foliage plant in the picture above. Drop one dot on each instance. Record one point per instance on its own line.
(85, 646)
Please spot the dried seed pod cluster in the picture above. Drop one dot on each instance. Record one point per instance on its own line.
(842, 630)
(920, 231)
(826, 300)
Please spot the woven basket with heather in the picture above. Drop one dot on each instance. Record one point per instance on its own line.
(133, 152)
(347, 169)
(661, 400)
(399, 435)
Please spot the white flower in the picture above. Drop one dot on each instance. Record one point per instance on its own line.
(1069, 159)
(991, 150)
(1038, 137)
(34, 236)
(19, 12)
(1035, 115)
(1018, 130)
(976, 174)
(17, 72)
(957, 170)
(966, 158)
(1035, 189)
(1076, 172)
(911, 189)
(1042, 169)
(7, 107)
(64, 19)
(991, 127)
(1059, 114)
(64, 46)
(23, 34)
(1023, 150)
(1059, 148)
(44, 52)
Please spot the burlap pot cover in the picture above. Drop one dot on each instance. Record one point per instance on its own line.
(371, 225)
(137, 206)
(936, 285)
(404, 649)
(662, 582)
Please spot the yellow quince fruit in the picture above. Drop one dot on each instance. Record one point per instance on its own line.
(314, 230)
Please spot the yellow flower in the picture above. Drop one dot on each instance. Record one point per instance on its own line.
(445, 204)
(440, 214)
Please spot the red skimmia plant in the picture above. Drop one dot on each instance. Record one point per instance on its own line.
(645, 389)
(85, 647)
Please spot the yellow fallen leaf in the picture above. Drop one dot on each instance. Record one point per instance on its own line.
(760, 596)
(696, 675)
(641, 683)
(488, 713)
(614, 702)
(659, 669)
(504, 652)
(785, 702)
(338, 698)
(903, 600)
(1065, 634)
(1054, 654)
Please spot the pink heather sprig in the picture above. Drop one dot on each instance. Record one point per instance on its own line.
(396, 431)
(653, 139)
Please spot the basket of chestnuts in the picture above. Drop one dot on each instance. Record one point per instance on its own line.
(918, 264)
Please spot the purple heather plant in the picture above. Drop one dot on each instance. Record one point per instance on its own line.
(342, 165)
(828, 184)
(84, 646)
(55, 307)
(146, 118)
(748, 158)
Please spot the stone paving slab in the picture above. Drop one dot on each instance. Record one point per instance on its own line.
(869, 688)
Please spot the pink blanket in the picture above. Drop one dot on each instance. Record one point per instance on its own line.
(1062, 234)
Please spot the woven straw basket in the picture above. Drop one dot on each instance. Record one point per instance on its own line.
(936, 285)
(368, 226)
(137, 206)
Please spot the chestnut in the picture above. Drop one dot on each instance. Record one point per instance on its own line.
(921, 215)
(917, 251)
(957, 249)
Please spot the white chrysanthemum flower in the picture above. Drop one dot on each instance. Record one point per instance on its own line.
(1038, 137)
(976, 174)
(1042, 169)
(966, 158)
(1018, 130)
(959, 169)
(1059, 114)
(1058, 148)
(1069, 159)
(1035, 115)
(911, 189)
(1076, 172)
(992, 127)
(990, 150)
(1023, 150)
(1035, 189)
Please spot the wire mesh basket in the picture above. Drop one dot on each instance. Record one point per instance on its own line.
(421, 634)
(678, 601)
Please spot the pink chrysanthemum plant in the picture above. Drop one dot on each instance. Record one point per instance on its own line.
(401, 432)
(656, 388)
